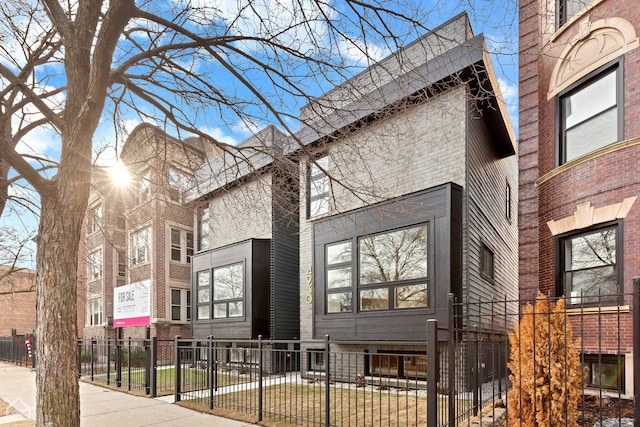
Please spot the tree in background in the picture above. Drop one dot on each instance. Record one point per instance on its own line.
(545, 367)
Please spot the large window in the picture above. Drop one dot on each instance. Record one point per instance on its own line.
(181, 245)
(180, 305)
(221, 292)
(94, 314)
(590, 115)
(228, 291)
(141, 246)
(319, 188)
(590, 266)
(392, 272)
(95, 265)
(398, 365)
(122, 263)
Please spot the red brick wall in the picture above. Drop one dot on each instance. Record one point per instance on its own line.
(17, 302)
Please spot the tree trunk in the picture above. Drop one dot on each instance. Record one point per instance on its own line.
(58, 402)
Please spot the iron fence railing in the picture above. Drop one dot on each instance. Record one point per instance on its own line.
(18, 349)
(457, 376)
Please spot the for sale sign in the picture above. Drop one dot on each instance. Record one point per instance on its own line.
(132, 304)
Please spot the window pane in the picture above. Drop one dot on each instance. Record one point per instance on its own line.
(203, 295)
(203, 312)
(203, 278)
(590, 267)
(339, 253)
(175, 312)
(219, 310)
(415, 366)
(411, 296)
(235, 309)
(175, 296)
(339, 278)
(228, 282)
(607, 373)
(383, 364)
(319, 207)
(591, 100)
(374, 299)
(592, 134)
(398, 255)
(339, 302)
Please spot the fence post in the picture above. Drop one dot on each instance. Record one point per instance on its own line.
(211, 371)
(118, 361)
(146, 344)
(33, 350)
(79, 357)
(93, 348)
(432, 373)
(636, 350)
(108, 361)
(452, 362)
(176, 341)
(154, 366)
(260, 378)
(327, 379)
(129, 363)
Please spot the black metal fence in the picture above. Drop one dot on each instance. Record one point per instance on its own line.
(465, 374)
(18, 349)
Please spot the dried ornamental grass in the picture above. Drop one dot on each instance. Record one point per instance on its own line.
(545, 368)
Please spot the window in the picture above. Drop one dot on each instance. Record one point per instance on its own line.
(567, 9)
(95, 312)
(95, 265)
(181, 245)
(144, 187)
(316, 360)
(228, 291)
(121, 223)
(604, 370)
(590, 266)
(95, 219)
(203, 289)
(180, 305)
(319, 188)
(122, 263)
(398, 365)
(178, 182)
(507, 201)
(141, 246)
(590, 115)
(392, 270)
(203, 229)
(486, 262)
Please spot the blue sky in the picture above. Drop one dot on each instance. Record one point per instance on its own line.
(496, 20)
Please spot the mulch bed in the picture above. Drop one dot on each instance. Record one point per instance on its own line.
(594, 409)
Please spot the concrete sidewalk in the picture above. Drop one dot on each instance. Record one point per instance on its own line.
(100, 406)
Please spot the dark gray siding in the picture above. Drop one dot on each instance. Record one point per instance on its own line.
(255, 254)
(440, 208)
(488, 175)
(285, 259)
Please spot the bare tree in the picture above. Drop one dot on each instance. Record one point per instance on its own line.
(64, 66)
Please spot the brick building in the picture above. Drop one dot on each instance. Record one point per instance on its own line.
(579, 154)
(139, 240)
(17, 301)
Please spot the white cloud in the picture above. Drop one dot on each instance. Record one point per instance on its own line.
(361, 53)
(221, 135)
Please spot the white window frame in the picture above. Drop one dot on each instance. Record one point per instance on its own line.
(121, 263)
(203, 228)
(95, 218)
(184, 304)
(140, 240)
(184, 246)
(94, 265)
(95, 312)
(143, 191)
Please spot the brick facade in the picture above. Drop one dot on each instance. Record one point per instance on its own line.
(17, 302)
(603, 178)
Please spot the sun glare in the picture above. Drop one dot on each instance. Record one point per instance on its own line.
(119, 175)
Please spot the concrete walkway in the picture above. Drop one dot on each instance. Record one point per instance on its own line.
(100, 406)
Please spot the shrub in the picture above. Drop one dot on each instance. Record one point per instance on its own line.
(545, 368)
(137, 357)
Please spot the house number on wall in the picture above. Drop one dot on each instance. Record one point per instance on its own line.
(309, 297)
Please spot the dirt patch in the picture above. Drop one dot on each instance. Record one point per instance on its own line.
(6, 410)
(594, 409)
